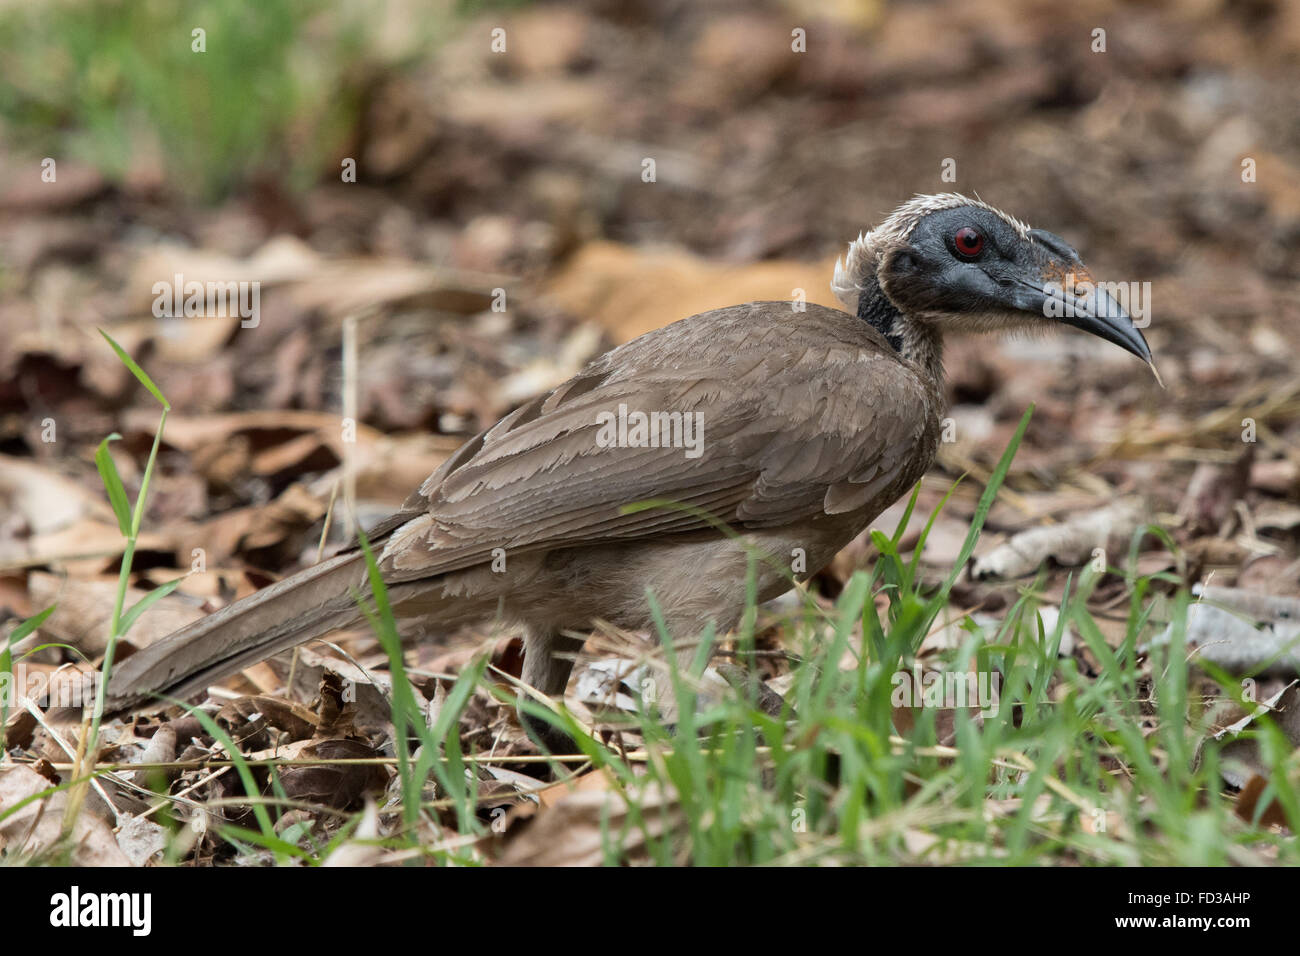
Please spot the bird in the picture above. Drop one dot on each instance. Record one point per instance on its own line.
(779, 428)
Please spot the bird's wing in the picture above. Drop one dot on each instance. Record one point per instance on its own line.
(800, 416)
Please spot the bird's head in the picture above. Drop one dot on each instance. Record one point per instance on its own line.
(949, 263)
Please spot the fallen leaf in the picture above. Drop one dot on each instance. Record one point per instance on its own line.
(37, 828)
(576, 830)
(1070, 543)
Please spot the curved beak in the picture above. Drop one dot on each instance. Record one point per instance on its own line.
(1055, 284)
(1090, 307)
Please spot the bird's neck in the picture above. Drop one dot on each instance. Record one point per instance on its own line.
(913, 339)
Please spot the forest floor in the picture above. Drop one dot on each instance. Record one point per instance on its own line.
(1127, 732)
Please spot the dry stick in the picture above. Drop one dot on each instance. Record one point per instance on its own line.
(1260, 403)
(166, 798)
(349, 457)
(78, 759)
(77, 794)
(325, 527)
(273, 801)
(207, 764)
(320, 554)
(350, 416)
(1013, 760)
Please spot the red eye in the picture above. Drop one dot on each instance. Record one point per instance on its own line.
(968, 241)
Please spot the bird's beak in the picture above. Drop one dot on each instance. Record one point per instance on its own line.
(1091, 308)
(1065, 291)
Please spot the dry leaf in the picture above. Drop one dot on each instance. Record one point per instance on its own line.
(340, 786)
(573, 831)
(38, 826)
(83, 612)
(1069, 544)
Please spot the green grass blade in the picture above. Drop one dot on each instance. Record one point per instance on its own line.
(242, 768)
(113, 484)
(7, 666)
(986, 499)
(146, 602)
(137, 371)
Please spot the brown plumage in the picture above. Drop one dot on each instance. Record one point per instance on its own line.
(813, 422)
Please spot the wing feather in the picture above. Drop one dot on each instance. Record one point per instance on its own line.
(803, 417)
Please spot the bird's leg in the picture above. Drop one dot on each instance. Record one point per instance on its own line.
(548, 662)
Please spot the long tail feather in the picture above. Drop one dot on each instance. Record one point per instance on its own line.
(291, 612)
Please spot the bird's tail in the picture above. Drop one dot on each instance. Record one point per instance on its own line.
(300, 608)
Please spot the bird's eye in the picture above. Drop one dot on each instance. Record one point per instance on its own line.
(968, 242)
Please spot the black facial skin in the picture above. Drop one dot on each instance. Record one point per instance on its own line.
(1007, 277)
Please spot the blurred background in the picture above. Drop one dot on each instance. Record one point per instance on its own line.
(1165, 147)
